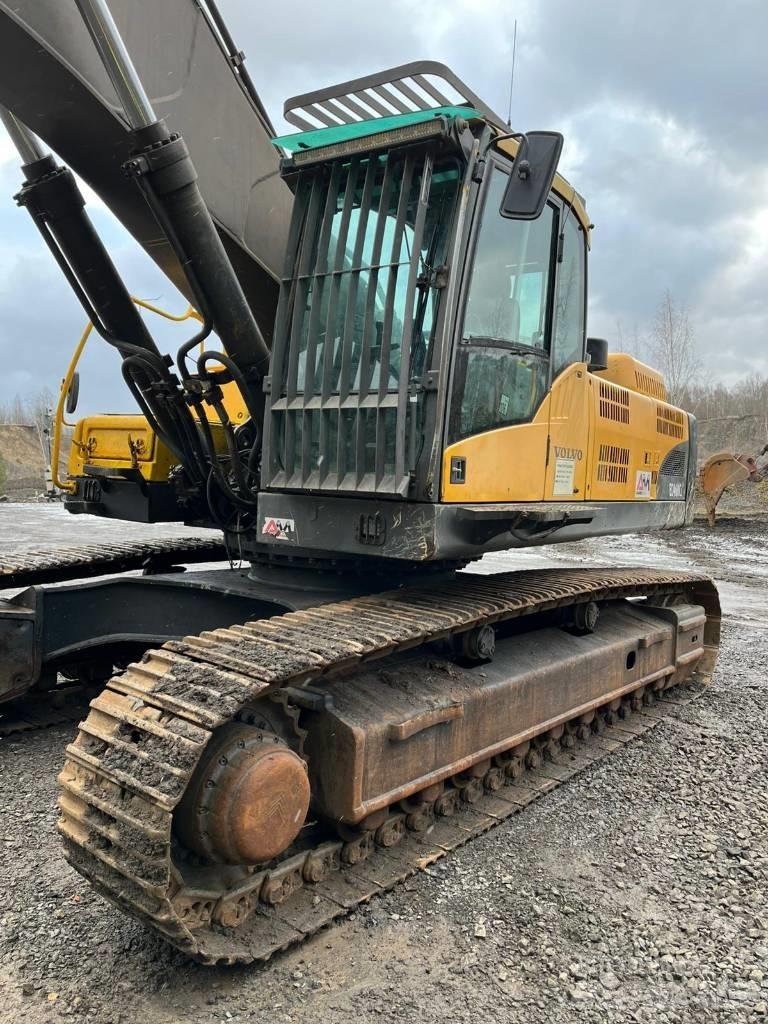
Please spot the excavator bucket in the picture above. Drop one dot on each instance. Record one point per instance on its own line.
(53, 80)
(721, 471)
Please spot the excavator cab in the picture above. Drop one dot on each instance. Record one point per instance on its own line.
(430, 369)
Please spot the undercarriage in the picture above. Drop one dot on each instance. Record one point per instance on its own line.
(82, 611)
(238, 789)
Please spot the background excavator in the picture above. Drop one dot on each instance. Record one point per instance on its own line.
(726, 469)
(403, 384)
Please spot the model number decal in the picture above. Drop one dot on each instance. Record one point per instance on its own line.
(279, 529)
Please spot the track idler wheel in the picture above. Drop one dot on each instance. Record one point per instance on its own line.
(247, 799)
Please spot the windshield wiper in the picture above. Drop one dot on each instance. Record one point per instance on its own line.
(516, 347)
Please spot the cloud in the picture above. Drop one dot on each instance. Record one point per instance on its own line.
(663, 109)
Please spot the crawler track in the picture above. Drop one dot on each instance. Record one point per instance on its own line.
(136, 752)
(45, 709)
(28, 568)
(41, 709)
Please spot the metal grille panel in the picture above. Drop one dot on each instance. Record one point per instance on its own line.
(613, 464)
(670, 422)
(420, 85)
(614, 402)
(341, 416)
(675, 463)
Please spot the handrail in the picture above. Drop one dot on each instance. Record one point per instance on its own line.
(190, 314)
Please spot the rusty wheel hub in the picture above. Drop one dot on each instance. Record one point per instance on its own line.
(247, 800)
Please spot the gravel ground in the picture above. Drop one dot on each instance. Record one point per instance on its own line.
(635, 892)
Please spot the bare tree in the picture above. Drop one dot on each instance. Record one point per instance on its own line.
(673, 348)
(14, 411)
(39, 410)
(28, 410)
(31, 410)
(630, 341)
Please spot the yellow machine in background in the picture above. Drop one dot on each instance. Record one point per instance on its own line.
(120, 442)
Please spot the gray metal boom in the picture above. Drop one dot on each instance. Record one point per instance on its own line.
(53, 80)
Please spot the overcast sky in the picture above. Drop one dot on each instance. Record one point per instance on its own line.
(663, 106)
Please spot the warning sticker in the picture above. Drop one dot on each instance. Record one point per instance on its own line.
(563, 484)
(279, 529)
(643, 484)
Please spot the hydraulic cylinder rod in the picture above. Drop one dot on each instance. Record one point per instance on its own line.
(54, 201)
(26, 142)
(164, 171)
(117, 62)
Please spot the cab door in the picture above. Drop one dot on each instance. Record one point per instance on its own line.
(570, 400)
(498, 421)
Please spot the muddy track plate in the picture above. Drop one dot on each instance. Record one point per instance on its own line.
(26, 568)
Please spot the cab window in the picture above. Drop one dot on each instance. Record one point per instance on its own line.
(568, 346)
(502, 366)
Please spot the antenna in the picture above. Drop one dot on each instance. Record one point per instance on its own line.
(512, 77)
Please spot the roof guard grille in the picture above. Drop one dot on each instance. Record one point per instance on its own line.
(420, 85)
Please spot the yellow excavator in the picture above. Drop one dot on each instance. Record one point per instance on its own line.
(403, 384)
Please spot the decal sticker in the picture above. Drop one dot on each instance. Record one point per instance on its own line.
(503, 405)
(563, 483)
(676, 489)
(569, 453)
(279, 529)
(643, 484)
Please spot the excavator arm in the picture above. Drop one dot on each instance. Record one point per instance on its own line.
(54, 81)
(69, 78)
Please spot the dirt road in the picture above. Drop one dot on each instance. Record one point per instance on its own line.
(636, 892)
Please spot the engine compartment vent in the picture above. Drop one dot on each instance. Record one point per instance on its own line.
(651, 386)
(614, 402)
(675, 463)
(670, 422)
(613, 464)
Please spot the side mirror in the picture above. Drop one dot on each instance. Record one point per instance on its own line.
(73, 394)
(597, 354)
(532, 174)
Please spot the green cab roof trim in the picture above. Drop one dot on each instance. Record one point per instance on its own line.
(359, 129)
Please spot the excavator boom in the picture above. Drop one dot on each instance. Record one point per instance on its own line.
(55, 82)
